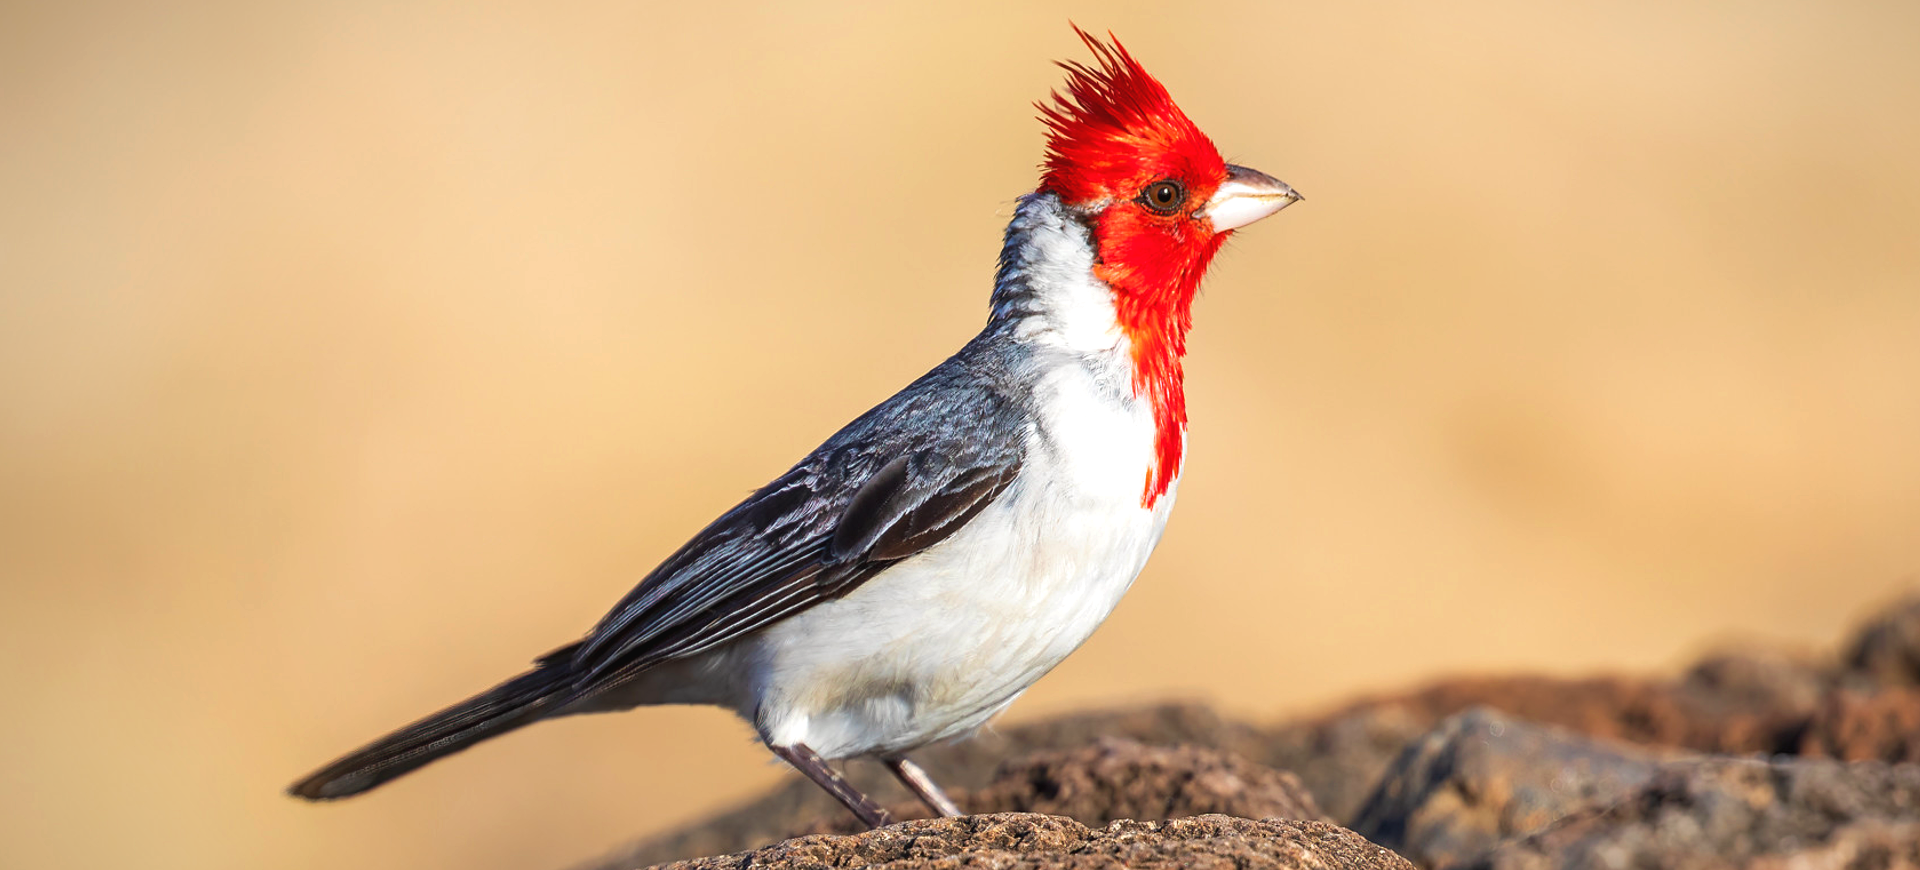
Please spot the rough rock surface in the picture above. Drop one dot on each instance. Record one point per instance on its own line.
(1116, 779)
(1732, 702)
(1018, 840)
(1788, 813)
(1120, 779)
(1340, 757)
(1095, 784)
(1886, 650)
(975, 762)
(1482, 777)
(1883, 726)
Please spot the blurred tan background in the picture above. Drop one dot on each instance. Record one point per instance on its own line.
(352, 354)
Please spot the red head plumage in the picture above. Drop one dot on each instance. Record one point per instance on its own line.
(1117, 128)
(1118, 148)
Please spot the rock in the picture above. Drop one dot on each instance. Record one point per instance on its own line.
(1018, 840)
(1884, 726)
(1098, 782)
(1481, 777)
(1120, 779)
(1116, 779)
(974, 762)
(1340, 757)
(1731, 703)
(1757, 682)
(1886, 650)
(1787, 813)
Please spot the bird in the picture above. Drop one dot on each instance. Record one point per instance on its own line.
(909, 578)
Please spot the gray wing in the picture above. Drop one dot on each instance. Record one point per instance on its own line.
(900, 479)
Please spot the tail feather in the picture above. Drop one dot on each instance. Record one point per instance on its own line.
(523, 700)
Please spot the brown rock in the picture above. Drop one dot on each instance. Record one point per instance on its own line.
(1755, 680)
(1886, 650)
(1017, 840)
(1120, 779)
(1708, 711)
(1097, 783)
(1731, 702)
(1481, 777)
(1858, 846)
(1340, 757)
(1884, 726)
(1788, 813)
(974, 762)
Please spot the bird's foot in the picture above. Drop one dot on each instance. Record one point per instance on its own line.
(916, 780)
(809, 762)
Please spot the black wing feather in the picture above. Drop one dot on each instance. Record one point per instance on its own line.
(897, 481)
(895, 516)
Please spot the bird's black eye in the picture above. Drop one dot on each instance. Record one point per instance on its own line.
(1164, 196)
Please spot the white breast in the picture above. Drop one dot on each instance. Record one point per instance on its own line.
(938, 644)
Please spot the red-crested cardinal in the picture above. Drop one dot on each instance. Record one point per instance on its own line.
(907, 580)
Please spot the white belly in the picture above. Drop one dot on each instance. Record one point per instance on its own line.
(935, 646)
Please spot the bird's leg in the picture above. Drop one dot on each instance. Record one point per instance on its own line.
(809, 762)
(917, 780)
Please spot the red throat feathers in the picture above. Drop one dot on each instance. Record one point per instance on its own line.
(1119, 149)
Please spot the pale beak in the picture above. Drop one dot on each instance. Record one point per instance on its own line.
(1247, 196)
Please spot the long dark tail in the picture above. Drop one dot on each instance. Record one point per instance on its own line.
(523, 700)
